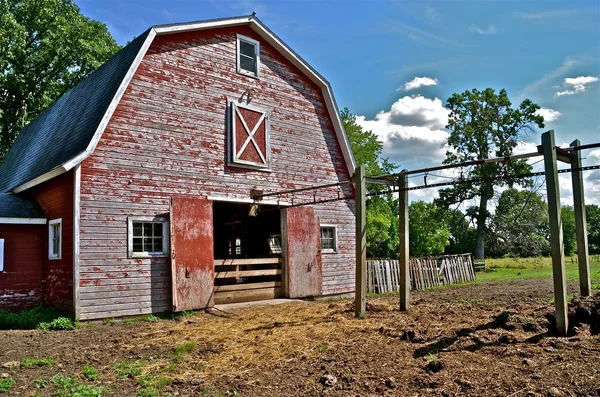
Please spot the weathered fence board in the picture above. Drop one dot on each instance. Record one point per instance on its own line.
(383, 275)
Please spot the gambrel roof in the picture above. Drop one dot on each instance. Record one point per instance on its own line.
(67, 132)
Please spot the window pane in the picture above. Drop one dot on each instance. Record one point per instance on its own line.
(248, 64)
(327, 244)
(147, 229)
(158, 244)
(147, 245)
(158, 229)
(247, 49)
(137, 228)
(137, 244)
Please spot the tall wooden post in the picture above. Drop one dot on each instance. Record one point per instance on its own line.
(556, 234)
(585, 286)
(360, 299)
(404, 242)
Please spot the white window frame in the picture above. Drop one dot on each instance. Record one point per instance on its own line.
(233, 159)
(239, 65)
(55, 255)
(335, 239)
(1, 255)
(166, 237)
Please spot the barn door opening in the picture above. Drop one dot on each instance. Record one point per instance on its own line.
(302, 248)
(247, 252)
(191, 253)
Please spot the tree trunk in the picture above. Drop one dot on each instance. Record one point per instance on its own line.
(486, 194)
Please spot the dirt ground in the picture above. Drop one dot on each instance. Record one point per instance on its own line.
(488, 339)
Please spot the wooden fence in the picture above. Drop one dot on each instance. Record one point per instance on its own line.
(383, 275)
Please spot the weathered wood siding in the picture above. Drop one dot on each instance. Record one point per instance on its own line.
(56, 199)
(21, 281)
(168, 137)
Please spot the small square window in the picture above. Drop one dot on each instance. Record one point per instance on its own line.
(148, 237)
(55, 239)
(328, 238)
(248, 56)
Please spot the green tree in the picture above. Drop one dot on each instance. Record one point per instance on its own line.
(592, 213)
(519, 225)
(428, 234)
(382, 212)
(482, 124)
(46, 47)
(567, 217)
(462, 235)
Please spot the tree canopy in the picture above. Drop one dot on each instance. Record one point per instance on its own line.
(46, 48)
(428, 233)
(482, 124)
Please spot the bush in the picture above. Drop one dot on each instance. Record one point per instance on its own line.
(27, 319)
(59, 324)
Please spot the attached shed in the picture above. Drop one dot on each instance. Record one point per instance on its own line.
(22, 225)
(149, 163)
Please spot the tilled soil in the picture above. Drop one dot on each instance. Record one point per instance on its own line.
(491, 339)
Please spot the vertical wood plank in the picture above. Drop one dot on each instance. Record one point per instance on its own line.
(404, 243)
(583, 258)
(360, 303)
(556, 234)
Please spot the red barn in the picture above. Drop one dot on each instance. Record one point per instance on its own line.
(132, 193)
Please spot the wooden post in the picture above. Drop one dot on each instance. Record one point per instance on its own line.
(404, 243)
(360, 294)
(556, 234)
(583, 259)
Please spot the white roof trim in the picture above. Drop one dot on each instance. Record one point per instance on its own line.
(23, 221)
(40, 179)
(259, 28)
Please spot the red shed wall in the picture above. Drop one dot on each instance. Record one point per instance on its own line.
(167, 138)
(56, 199)
(21, 281)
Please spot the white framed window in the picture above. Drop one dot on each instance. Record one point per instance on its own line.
(248, 56)
(147, 237)
(55, 239)
(1, 255)
(328, 238)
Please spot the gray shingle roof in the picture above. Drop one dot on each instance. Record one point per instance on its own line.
(65, 129)
(12, 206)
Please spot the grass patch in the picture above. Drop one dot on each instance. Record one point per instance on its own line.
(499, 269)
(28, 319)
(40, 383)
(90, 373)
(150, 318)
(36, 362)
(59, 324)
(182, 351)
(6, 384)
(128, 369)
(64, 382)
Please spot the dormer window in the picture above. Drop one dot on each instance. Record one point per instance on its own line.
(248, 56)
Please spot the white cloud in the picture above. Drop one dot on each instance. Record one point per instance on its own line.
(566, 66)
(418, 82)
(552, 13)
(548, 114)
(576, 85)
(476, 29)
(412, 130)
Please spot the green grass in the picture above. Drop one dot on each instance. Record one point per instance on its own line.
(181, 351)
(528, 268)
(36, 362)
(28, 319)
(128, 369)
(6, 384)
(90, 373)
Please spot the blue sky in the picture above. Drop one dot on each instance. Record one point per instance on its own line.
(371, 51)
